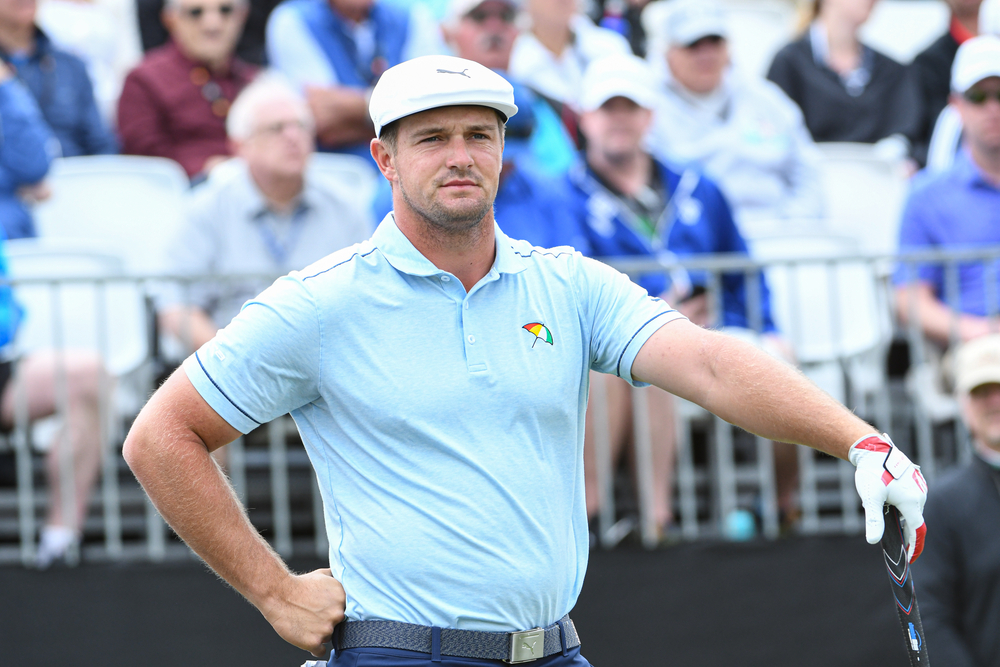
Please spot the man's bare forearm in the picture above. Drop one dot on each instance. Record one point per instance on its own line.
(173, 464)
(747, 387)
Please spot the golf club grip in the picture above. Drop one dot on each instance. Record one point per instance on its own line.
(905, 598)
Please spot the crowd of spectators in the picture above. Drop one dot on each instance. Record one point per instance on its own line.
(618, 148)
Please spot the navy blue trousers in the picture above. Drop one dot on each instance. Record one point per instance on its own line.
(390, 657)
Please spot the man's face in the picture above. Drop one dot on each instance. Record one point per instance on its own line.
(964, 7)
(205, 30)
(281, 140)
(352, 7)
(699, 67)
(553, 12)
(616, 129)
(982, 414)
(486, 34)
(447, 165)
(19, 13)
(855, 11)
(979, 108)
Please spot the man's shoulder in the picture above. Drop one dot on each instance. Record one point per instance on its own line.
(939, 54)
(155, 65)
(928, 186)
(767, 97)
(340, 267)
(957, 490)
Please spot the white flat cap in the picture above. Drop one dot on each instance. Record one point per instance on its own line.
(977, 59)
(430, 82)
(618, 75)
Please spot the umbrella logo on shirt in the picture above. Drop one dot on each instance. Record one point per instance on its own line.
(539, 331)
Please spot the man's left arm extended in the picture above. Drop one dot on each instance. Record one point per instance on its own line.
(749, 388)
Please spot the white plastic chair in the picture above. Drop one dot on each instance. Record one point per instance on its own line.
(107, 317)
(832, 307)
(131, 205)
(903, 28)
(356, 177)
(864, 193)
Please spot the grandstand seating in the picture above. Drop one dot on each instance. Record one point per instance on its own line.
(903, 28)
(130, 205)
(864, 194)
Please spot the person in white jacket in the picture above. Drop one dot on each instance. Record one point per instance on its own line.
(745, 133)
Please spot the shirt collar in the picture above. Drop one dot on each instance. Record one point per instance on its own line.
(968, 173)
(403, 256)
(252, 199)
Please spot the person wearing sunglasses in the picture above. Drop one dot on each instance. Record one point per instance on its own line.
(743, 131)
(959, 207)
(175, 103)
(946, 140)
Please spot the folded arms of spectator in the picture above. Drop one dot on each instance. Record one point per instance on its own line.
(26, 142)
(341, 115)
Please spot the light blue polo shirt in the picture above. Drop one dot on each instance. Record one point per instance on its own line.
(446, 428)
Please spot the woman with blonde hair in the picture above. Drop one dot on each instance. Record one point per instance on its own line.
(847, 90)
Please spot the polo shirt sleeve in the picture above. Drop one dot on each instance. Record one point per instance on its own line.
(266, 362)
(619, 315)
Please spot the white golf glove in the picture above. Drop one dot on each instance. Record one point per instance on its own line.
(885, 475)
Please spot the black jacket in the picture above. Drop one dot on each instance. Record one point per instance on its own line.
(957, 578)
(932, 69)
(890, 103)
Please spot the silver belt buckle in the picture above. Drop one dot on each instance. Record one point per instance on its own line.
(526, 646)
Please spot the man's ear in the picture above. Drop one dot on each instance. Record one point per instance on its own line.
(384, 159)
(168, 17)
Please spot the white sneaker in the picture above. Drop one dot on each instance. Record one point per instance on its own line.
(53, 545)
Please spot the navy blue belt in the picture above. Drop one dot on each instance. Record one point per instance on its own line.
(511, 647)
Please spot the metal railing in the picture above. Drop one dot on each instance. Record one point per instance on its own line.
(718, 469)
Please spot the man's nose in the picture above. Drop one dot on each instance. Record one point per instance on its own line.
(459, 154)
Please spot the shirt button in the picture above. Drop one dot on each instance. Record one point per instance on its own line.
(445, 279)
(472, 340)
(466, 305)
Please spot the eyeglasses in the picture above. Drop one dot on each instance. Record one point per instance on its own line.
(480, 15)
(979, 97)
(275, 129)
(195, 13)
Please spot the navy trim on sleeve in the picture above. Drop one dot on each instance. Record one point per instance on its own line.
(618, 368)
(544, 252)
(204, 370)
(333, 267)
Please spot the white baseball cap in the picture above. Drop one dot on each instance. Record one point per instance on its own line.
(977, 59)
(618, 75)
(429, 82)
(457, 9)
(977, 363)
(690, 20)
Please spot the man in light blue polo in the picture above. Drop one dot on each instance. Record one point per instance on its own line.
(438, 375)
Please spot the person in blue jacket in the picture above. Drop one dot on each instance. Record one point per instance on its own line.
(57, 80)
(26, 148)
(336, 50)
(627, 203)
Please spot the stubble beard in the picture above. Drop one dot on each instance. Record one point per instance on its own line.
(444, 221)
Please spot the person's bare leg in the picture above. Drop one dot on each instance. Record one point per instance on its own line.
(38, 375)
(786, 473)
(663, 432)
(619, 426)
